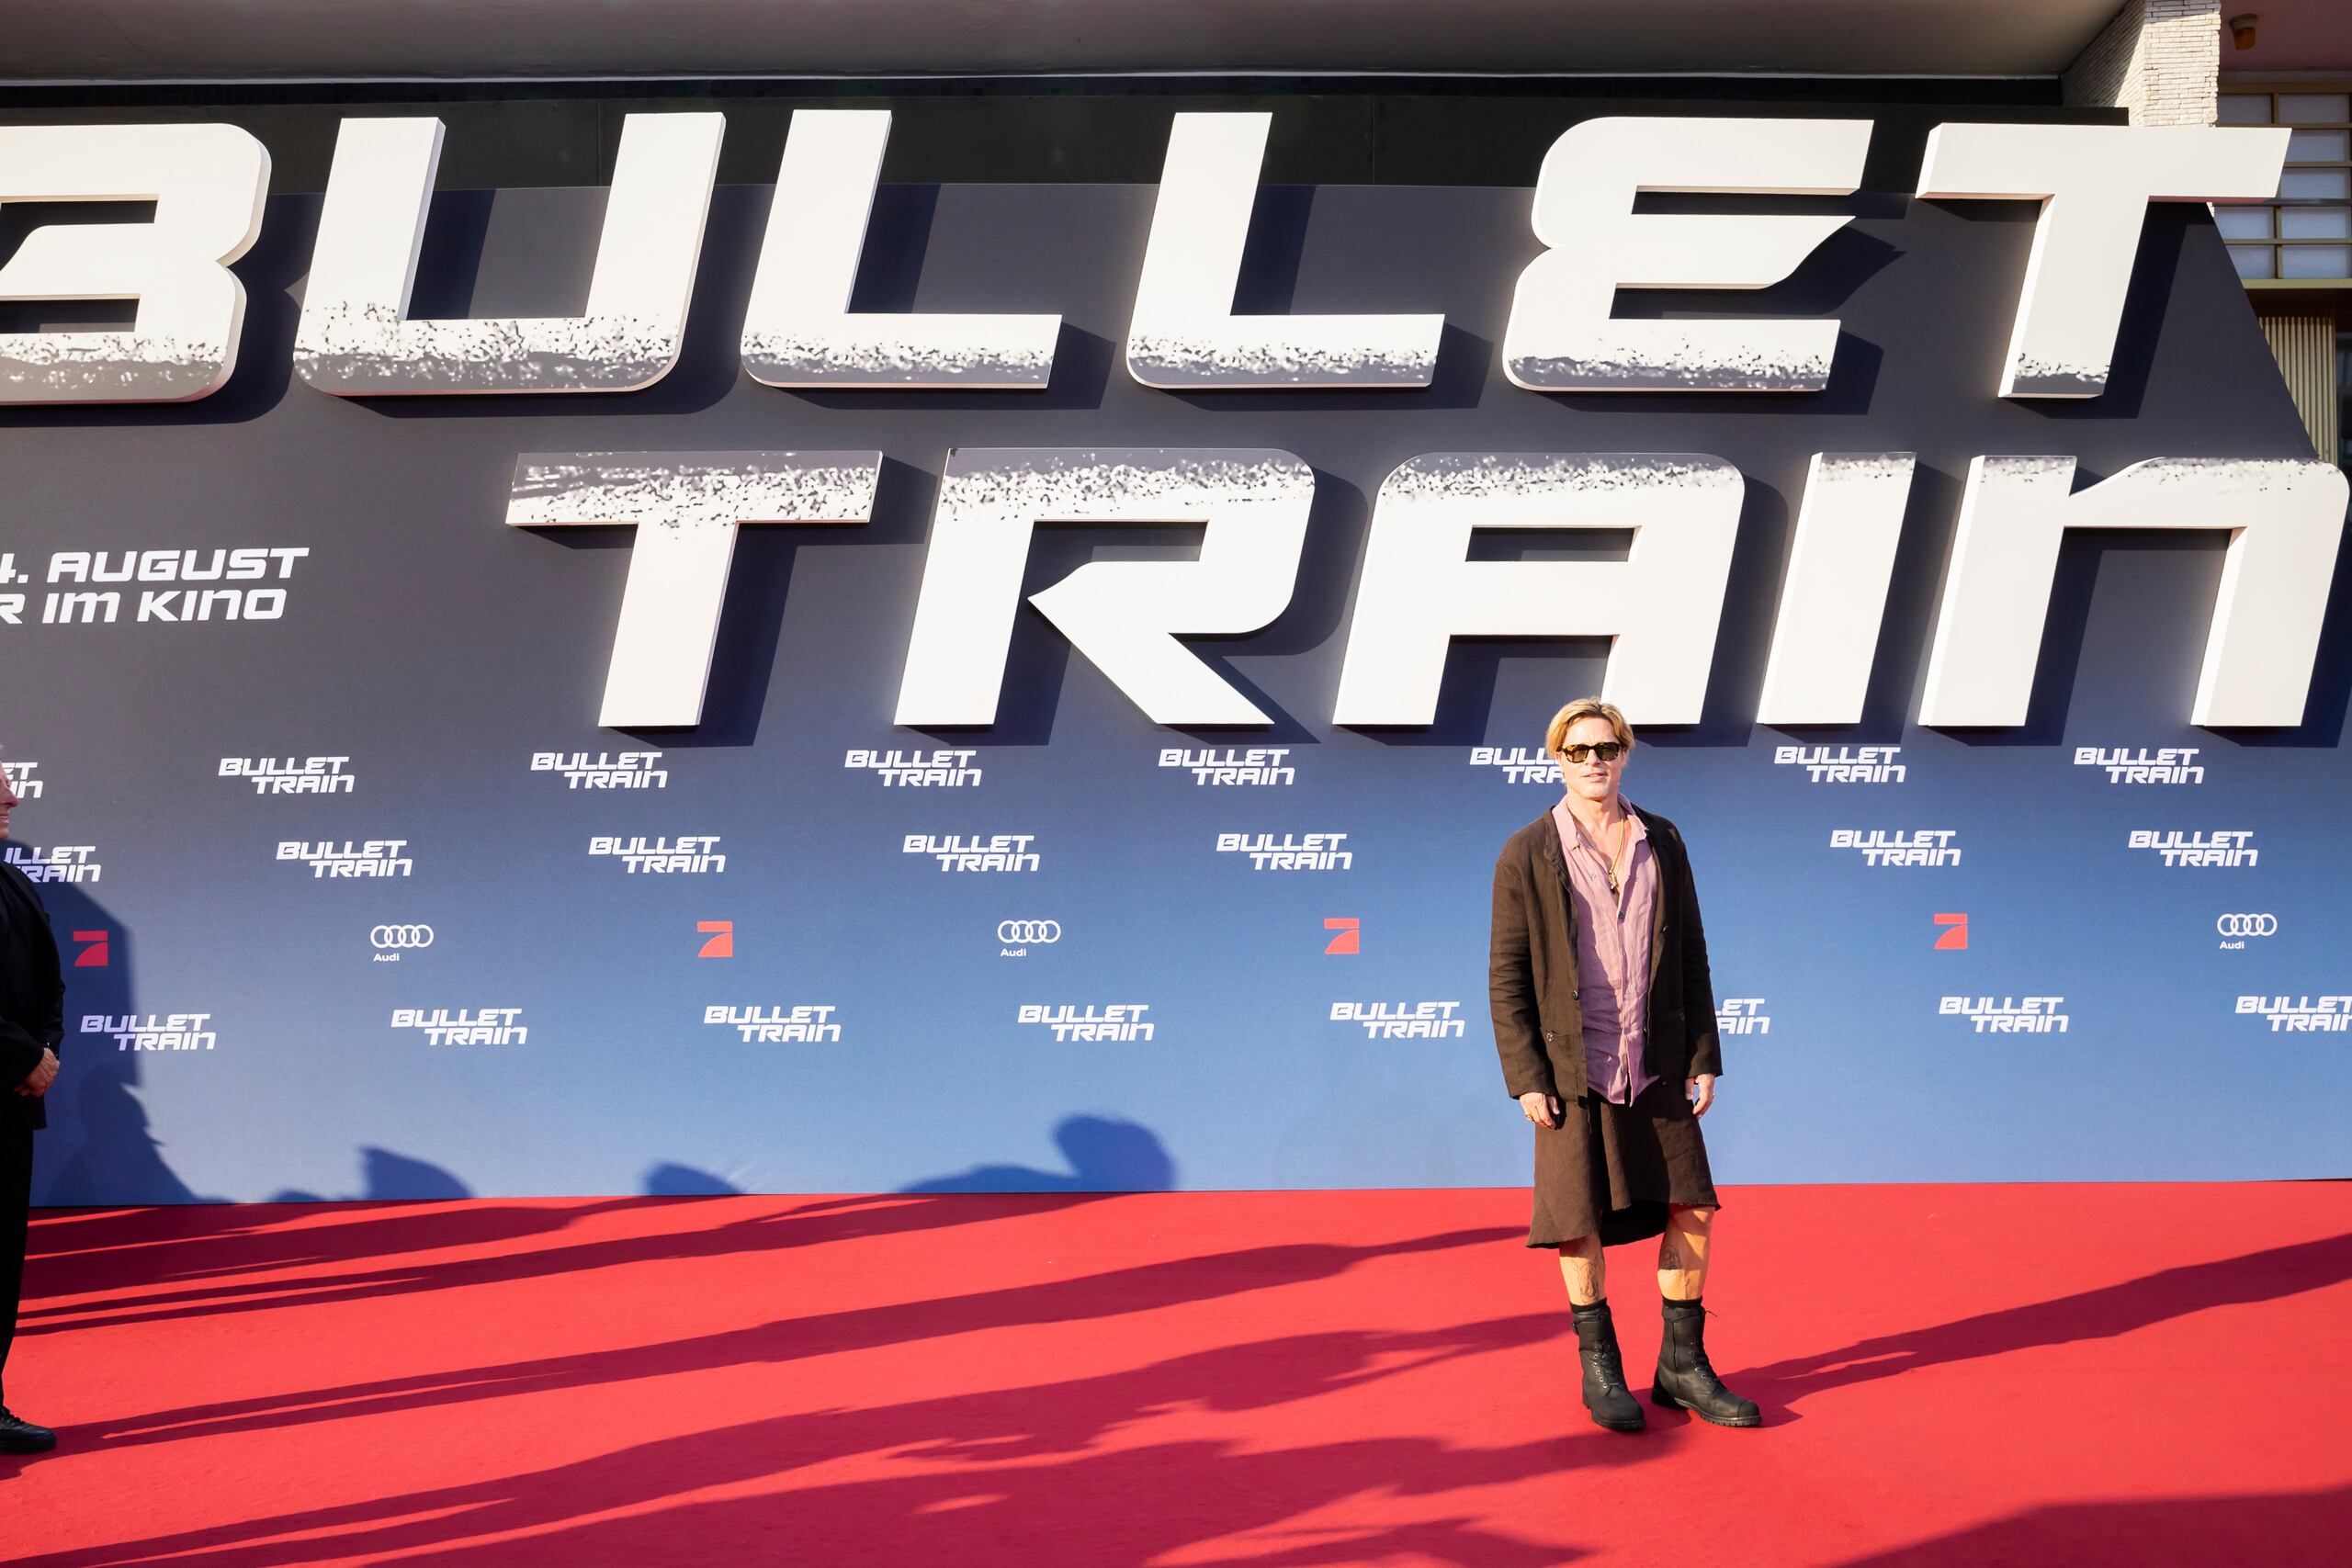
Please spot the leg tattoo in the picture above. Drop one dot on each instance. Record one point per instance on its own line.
(1683, 1254)
(1584, 1267)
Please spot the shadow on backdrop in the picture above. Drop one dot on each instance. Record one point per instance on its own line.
(385, 1177)
(1104, 1156)
(670, 1180)
(99, 1148)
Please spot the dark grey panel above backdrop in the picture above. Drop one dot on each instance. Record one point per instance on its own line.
(1326, 131)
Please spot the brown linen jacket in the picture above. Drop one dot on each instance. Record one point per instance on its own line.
(1531, 971)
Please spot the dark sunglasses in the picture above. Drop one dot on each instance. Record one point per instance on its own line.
(1608, 751)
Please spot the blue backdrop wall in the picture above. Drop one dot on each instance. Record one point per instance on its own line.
(450, 668)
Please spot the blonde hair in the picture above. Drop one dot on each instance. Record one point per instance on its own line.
(1555, 733)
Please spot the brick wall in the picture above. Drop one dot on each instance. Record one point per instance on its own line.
(2159, 60)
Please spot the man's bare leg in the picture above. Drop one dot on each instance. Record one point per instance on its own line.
(1585, 1268)
(1681, 1254)
(1685, 1377)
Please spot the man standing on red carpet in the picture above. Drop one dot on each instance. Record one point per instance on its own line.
(1605, 1022)
(33, 1024)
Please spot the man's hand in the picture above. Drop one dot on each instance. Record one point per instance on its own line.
(37, 1082)
(1541, 1108)
(1700, 1091)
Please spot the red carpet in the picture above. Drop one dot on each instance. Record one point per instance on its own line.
(2086, 1374)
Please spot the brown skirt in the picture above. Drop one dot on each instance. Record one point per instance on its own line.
(1615, 1168)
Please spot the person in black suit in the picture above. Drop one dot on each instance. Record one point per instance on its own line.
(32, 1025)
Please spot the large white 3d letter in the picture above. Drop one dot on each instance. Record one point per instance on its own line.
(799, 331)
(356, 339)
(208, 183)
(687, 508)
(1124, 615)
(1835, 594)
(2094, 183)
(1561, 338)
(1185, 335)
(1661, 603)
(2285, 519)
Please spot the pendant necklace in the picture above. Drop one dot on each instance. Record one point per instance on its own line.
(1610, 864)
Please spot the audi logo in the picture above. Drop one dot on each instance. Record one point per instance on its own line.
(2247, 925)
(401, 936)
(1029, 930)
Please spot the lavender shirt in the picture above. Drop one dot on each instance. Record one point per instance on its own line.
(1612, 956)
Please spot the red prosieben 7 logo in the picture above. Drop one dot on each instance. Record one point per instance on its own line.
(95, 947)
(1955, 936)
(1350, 931)
(722, 939)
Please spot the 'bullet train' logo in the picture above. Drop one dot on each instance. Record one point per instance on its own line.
(1403, 1020)
(1261, 765)
(2166, 765)
(1114, 1022)
(58, 862)
(2300, 1015)
(2011, 1015)
(154, 1030)
(944, 769)
(465, 1026)
(1518, 765)
(2224, 849)
(694, 854)
(1897, 846)
(975, 851)
(1844, 765)
(328, 860)
(605, 770)
(291, 775)
(1289, 852)
(1742, 1015)
(809, 1023)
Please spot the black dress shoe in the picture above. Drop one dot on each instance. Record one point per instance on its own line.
(1685, 1379)
(1605, 1394)
(18, 1436)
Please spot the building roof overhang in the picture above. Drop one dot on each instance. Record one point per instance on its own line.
(232, 40)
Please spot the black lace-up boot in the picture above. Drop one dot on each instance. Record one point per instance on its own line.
(1605, 1394)
(1684, 1378)
(18, 1436)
